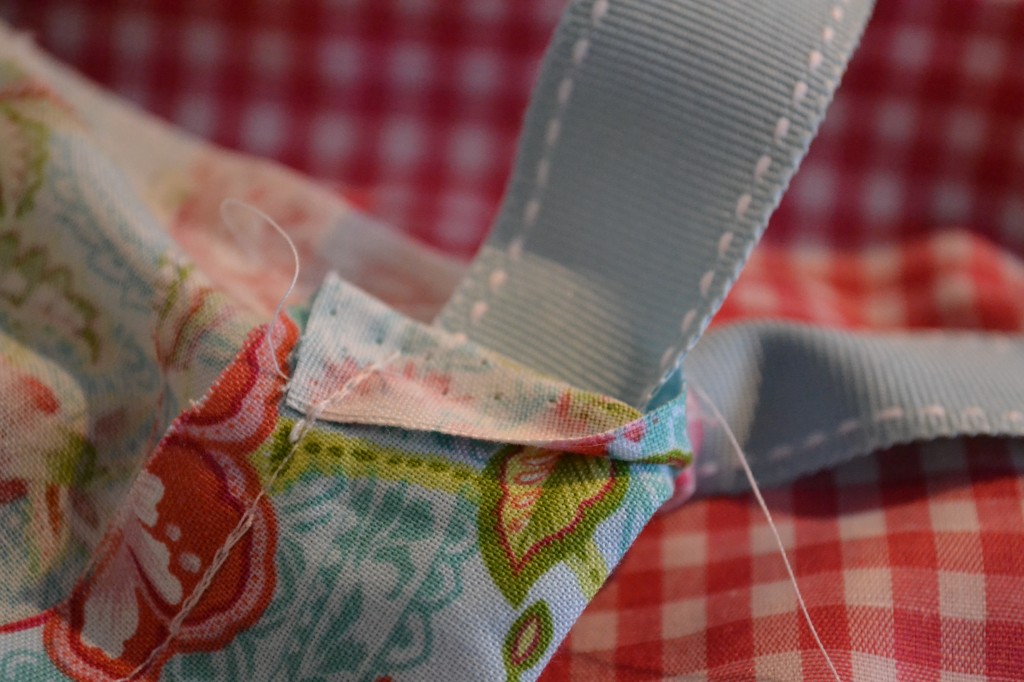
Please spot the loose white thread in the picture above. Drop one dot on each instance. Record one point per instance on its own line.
(299, 430)
(229, 222)
(174, 532)
(771, 522)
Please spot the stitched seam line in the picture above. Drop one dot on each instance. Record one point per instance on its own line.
(894, 415)
(498, 276)
(172, 430)
(461, 432)
(298, 432)
(727, 242)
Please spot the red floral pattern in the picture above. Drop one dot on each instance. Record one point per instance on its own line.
(121, 616)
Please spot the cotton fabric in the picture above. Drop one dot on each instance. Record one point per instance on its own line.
(850, 290)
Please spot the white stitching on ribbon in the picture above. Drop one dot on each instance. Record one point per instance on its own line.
(781, 130)
(895, 414)
(552, 134)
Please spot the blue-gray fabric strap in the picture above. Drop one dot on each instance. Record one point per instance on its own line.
(659, 139)
(800, 398)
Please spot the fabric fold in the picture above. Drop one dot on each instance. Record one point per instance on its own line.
(800, 399)
(427, 379)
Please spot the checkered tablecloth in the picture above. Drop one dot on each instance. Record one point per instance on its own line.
(413, 106)
(911, 563)
(908, 213)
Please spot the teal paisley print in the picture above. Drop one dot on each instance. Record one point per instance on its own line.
(165, 516)
(21, 665)
(382, 555)
(541, 507)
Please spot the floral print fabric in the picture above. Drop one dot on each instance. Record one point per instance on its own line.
(434, 544)
(343, 493)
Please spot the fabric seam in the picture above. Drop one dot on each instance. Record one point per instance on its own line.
(498, 276)
(298, 432)
(894, 415)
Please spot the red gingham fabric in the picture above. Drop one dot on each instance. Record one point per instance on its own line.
(413, 106)
(908, 213)
(910, 562)
(926, 131)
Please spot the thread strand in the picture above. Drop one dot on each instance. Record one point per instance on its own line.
(230, 223)
(771, 522)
